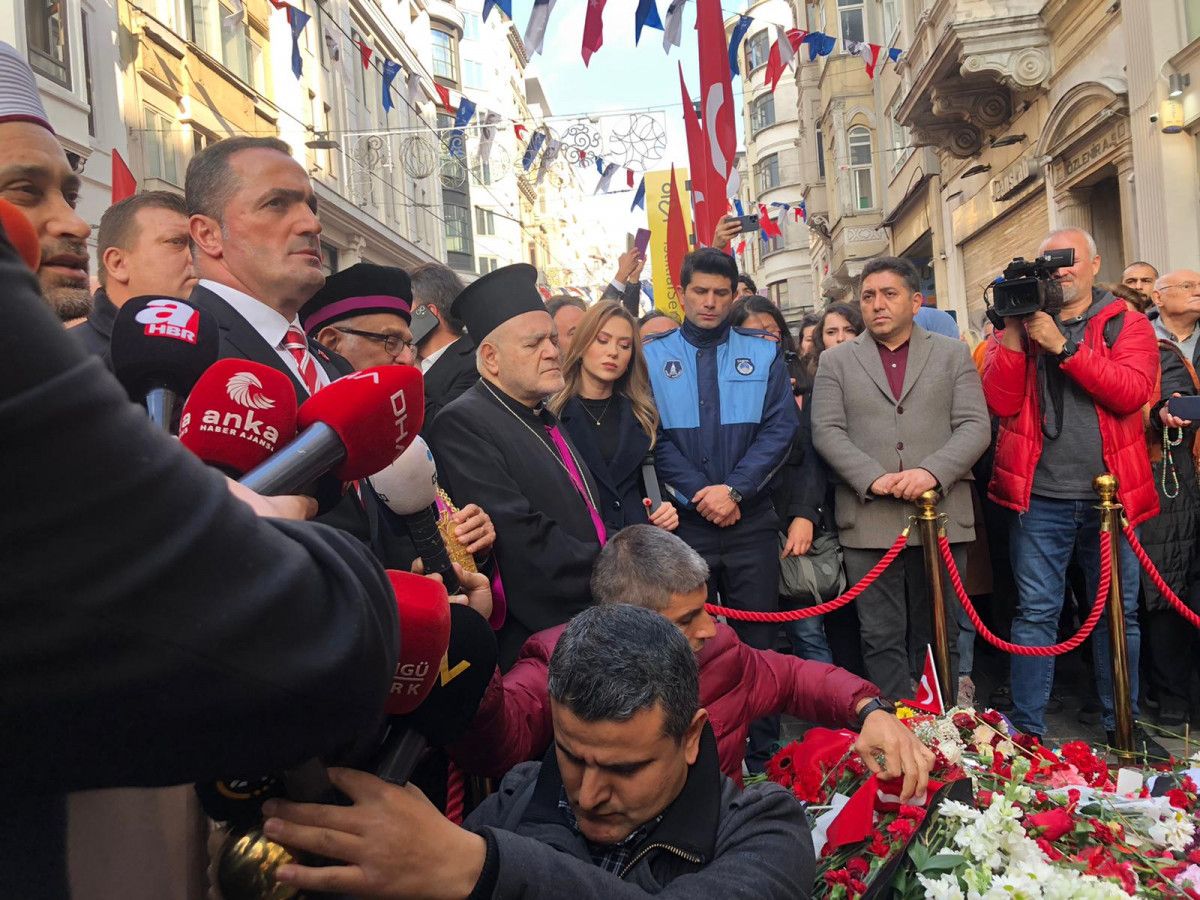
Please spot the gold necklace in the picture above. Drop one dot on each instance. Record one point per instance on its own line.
(603, 412)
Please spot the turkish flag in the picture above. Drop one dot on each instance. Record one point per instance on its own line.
(123, 183)
(929, 691)
(698, 161)
(677, 236)
(593, 29)
(716, 105)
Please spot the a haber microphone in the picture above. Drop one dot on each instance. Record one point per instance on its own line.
(238, 414)
(21, 234)
(408, 489)
(160, 348)
(353, 428)
(446, 714)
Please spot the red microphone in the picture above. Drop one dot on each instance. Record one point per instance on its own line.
(238, 414)
(353, 428)
(424, 615)
(21, 234)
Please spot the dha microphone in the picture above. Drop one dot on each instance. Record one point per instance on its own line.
(447, 712)
(21, 234)
(408, 489)
(160, 347)
(238, 414)
(354, 427)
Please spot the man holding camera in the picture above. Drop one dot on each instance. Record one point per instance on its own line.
(1069, 391)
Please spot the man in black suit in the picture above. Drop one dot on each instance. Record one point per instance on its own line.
(255, 238)
(447, 353)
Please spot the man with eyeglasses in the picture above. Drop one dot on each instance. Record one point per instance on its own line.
(363, 314)
(1176, 312)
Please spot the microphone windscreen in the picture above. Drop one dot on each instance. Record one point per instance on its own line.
(238, 801)
(409, 484)
(424, 616)
(162, 342)
(376, 412)
(238, 414)
(21, 234)
(470, 661)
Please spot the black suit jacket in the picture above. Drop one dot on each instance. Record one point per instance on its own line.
(95, 332)
(619, 481)
(447, 378)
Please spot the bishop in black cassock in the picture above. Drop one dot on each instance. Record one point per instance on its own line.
(498, 446)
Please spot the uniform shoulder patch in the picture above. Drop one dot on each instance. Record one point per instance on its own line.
(744, 365)
(672, 368)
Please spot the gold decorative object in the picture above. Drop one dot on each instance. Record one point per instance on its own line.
(246, 868)
(458, 553)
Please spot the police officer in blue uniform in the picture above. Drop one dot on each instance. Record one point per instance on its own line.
(728, 418)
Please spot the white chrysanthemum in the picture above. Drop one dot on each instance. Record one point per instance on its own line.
(944, 888)
(952, 809)
(1174, 831)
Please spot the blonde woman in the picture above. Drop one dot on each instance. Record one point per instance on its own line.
(608, 411)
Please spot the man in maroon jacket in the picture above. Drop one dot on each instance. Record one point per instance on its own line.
(738, 684)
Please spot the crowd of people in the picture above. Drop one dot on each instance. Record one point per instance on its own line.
(610, 475)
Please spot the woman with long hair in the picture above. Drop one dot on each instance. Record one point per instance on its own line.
(608, 409)
(840, 322)
(760, 314)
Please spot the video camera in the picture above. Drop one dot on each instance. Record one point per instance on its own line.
(1028, 286)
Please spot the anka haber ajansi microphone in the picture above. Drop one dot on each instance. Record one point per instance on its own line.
(356, 426)
(238, 414)
(21, 234)
(462, 676)
(408, 489)
(160, 348)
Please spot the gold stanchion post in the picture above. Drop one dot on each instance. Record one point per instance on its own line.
(931, 527)
(1110, 530)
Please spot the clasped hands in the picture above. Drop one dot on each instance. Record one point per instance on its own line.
(715, 504)
(908, 485)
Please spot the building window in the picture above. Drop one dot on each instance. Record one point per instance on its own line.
(850, 18)
(1192, 7)
(471, 23)
(87, 73)
(778, 293)
(483, 171)
(458, 229)
(757, 48)
(473, 75)
(862, 176)
(161, 156)
(891, 17)
(46, 33)
(329, 258)
(762, 112)
(488, 264)
(899, 141)
(235, 42)
(445, 56)
(772, 245)
(201, 139)
(820, 136)
(766, 173)
(485, 221)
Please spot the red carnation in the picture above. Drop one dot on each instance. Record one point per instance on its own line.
(858, 867)
(916, 813)
(1179, 799)
(1052, 853)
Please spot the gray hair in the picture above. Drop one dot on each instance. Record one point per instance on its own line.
(1093, 252)
(614, 661)
(210, 183)
(645, 566)
(436, 285)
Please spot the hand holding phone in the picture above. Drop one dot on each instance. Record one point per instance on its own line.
(642, 241)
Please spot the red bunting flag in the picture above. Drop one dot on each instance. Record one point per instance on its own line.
(766, 224)
(443, 93)
(929, 691)
(123, 183)
(519, 130)
(364, 52)
(716, 104)
(593, 29)
(629, 177)
(677, 237)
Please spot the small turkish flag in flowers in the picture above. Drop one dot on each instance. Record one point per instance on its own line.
(929, 691)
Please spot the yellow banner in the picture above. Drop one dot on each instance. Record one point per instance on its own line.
(658, 205)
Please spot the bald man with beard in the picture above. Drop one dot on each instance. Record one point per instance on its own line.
(36, 176)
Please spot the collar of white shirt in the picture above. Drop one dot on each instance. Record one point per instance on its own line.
(428, 361)
(266, 321)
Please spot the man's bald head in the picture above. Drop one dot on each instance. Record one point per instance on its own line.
(1177, 296)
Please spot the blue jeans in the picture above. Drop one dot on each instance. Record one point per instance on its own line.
(807, 637)
(1042, 542)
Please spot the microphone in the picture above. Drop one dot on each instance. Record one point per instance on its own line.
(408, 489)
(21, 234)
(448, 710)
(160, 347)
(238, 414)
(239, 801)
(354, 427)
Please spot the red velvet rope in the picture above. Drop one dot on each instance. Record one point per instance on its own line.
(1016, 649)
(456, 789)
(745, 615)
(1152, 570)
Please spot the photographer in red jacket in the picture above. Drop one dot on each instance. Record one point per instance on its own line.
(653, 568)
(1069, 392)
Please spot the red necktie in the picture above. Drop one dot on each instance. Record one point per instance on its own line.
(295, 343)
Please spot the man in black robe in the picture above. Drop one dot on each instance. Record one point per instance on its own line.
(498, 446)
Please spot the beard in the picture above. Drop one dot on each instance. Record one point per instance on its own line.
(67, 301)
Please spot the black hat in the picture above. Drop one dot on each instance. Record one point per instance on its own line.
(361, 290)
(490, 301)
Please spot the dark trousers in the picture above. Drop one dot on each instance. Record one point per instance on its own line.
(895, 620)
(743, 564)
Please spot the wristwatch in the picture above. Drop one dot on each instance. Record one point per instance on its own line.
(1067, 351)
(735, 495)
(875, 704)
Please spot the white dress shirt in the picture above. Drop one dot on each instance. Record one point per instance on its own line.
(270, 325)
(428, 361)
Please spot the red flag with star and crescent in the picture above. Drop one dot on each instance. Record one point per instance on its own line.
(929, 690)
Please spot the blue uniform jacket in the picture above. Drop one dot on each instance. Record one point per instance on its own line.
(726, 408)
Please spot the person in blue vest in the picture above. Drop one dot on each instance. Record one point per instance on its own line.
(727, 421)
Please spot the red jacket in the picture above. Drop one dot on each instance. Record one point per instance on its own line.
(1120, 379)
(738, 684)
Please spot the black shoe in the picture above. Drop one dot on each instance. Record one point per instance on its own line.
(1090, 712)
(1001, 698)
(1172, 712)
(1054, 703)
(1144, 746)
